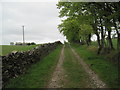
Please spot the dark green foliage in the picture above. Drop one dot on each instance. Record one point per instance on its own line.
(89, 18)
(31, 43)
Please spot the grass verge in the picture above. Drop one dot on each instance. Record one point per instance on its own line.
(38, 74)
(107, 71)
(9, 48)
(75, 75)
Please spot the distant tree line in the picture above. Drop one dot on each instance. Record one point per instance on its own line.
(19, 43)
(84, 19)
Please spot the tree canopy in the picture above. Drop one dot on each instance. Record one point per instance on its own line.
(84, 19)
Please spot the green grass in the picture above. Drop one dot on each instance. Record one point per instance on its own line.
(38, 75)
(76, 76)
(114, 41)
(9, 48)
(106, 70)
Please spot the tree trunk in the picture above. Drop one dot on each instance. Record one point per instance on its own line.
(89, 39)
(99, 44)
(102, 35)
(110, 40)
(98, 38)
(118, 34)
(87, 42)
(118, 41)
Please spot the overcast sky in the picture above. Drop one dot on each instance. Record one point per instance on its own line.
(39, 18)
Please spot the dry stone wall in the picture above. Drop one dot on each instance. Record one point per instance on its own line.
(16, 63)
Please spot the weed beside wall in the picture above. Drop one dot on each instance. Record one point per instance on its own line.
(16, 63)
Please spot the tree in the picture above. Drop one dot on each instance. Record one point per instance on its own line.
(97, 18)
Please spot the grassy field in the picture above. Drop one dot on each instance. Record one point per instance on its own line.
(76, 76)
(94, 43)
(9, 48)
(38, 75)
(114, 43)
(105, 69)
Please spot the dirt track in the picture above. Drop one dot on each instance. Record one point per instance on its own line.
(59, 76)
(95, 80)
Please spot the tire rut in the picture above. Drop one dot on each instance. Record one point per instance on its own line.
(58, 74)
(95, 80)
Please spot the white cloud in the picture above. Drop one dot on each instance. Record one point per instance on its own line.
(0, 24)
(29, 0)
(40, 20)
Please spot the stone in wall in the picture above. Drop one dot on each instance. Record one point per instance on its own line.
(16, 63)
